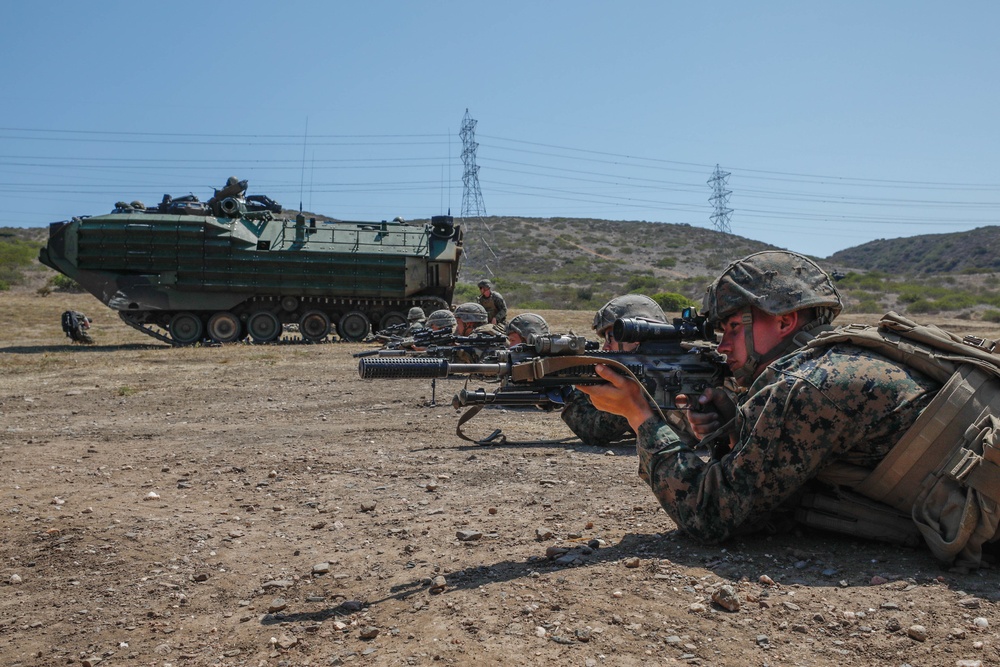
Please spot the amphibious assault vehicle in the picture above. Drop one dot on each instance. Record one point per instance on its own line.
(235, 266)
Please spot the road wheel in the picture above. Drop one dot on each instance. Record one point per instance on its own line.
(314, 326)
(264, 327)
(185, 328)
(224, 328)
(391, 319)
(354, 326)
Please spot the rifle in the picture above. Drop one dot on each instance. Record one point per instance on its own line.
(390, 333)
(420, 338)
(441, 343)
(671, 359)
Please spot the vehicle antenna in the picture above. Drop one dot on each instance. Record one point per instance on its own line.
(302, 178)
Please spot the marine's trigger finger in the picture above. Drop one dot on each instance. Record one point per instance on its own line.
(682, 402)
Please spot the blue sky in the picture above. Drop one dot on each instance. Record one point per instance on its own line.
(839, 123)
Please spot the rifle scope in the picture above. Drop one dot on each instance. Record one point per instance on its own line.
(631, 330)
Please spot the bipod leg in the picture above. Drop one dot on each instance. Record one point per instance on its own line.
(433, 392)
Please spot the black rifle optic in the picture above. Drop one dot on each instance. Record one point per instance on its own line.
(670, 360)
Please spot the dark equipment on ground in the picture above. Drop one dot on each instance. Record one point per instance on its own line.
(76, 326)
(670, 360)
(234, 267)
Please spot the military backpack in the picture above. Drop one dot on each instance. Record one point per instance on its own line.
(944, 473)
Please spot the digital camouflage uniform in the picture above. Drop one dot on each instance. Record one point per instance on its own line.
(807, 409)
(594, 427)
(473, 355)
(495, 306)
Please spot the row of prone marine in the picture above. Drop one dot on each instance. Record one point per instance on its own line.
(760, 415)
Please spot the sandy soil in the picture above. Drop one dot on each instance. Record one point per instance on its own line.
(261, 505)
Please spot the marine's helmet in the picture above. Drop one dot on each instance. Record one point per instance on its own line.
(138, 205)
(415, 315)
(629, 305)
(774, 281)
(472, 312)
(485, 283)
(528, 324)
(441, 319)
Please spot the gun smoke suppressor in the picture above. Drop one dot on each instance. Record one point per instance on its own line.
(405, 368)
(415, 368)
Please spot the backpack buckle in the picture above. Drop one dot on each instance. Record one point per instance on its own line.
(981, 343)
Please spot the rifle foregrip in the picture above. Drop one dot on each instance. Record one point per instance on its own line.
(407, 368)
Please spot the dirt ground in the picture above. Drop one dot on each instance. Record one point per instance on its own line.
(262, 505)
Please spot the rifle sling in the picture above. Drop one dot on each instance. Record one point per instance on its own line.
(469, 414)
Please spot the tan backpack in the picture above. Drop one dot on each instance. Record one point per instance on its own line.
(945, 470)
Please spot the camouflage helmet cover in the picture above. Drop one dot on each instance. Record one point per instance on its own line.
(528, 324)
(774, 281)
(471, 312)
(485, 283)
(629, 305)
(441, 318)
(416, 313)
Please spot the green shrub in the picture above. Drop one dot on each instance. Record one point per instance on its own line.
(465, 292)
(873, 281)
(61, 283)
(16, 256)
(642, 284)
(923, 306)
(868, 304)
(991, 315)
(671, 302)
(666, 262)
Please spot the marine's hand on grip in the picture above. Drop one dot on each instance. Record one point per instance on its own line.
(619, 395)
(713, 409)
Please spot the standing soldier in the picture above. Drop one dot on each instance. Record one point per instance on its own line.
(496, 307)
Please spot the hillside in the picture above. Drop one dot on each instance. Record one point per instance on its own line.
(975, 251)
(581, 263)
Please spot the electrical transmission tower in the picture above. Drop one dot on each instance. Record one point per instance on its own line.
(720, 200)
(472, 198)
